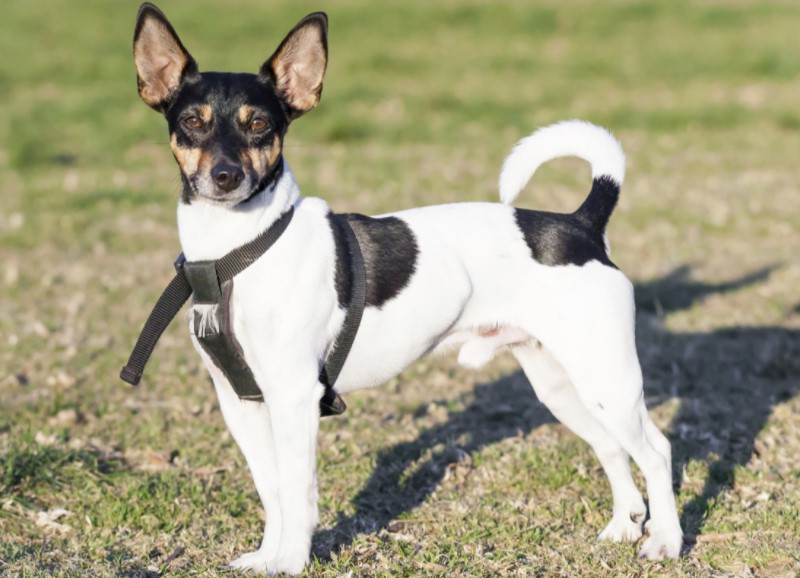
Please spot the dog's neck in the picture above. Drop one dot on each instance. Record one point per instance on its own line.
(208, 231)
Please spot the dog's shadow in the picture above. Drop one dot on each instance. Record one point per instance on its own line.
(391, 490)
(726, 383)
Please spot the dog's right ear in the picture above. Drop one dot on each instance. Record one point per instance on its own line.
(162, 63)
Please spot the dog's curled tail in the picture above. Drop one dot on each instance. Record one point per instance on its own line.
(574, 138)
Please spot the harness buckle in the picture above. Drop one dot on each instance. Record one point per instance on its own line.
(331, 403)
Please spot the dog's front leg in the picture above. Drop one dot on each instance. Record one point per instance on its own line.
(293, 403)
(251, 428)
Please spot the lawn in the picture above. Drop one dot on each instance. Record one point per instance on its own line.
(443, 471)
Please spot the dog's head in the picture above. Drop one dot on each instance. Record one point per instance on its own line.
(227, 129)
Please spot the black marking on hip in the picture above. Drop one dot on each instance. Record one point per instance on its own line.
(559, 239)
(390, 254)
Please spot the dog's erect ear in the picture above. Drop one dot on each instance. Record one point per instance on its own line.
(298, 65)
(162, 62)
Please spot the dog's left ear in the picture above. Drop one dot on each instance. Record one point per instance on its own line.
(298, 65)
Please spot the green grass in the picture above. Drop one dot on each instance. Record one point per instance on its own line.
(442, 471)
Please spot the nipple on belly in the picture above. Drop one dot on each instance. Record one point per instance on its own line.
(482, 348)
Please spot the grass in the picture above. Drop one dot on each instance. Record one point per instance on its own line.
(442, 471)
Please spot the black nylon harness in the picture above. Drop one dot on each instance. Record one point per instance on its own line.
(211, 282)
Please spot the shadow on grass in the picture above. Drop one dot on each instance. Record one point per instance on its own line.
(503, 409)
(727, 381)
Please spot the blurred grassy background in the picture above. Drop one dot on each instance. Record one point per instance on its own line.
(421, 103)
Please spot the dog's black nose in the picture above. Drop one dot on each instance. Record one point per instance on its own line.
(227, 177)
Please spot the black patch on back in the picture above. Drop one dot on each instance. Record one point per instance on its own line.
(390, 256)
(343, 278)
(557, 239)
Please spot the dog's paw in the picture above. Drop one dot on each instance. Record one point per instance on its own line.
(252, 562)
(623, 528)
(662, 543)
(291, 565)
(259, 563)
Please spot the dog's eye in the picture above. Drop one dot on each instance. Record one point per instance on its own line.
(258, 125)
(193, 122)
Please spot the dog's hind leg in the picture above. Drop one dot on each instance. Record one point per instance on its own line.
(626, 419)
(555, 391)
(603, 367)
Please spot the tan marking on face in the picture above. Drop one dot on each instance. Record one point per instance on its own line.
(255, 158)
(274, 151)
(189, 159)
(205, 113)
(262, 160)
(205, 162)
(246, 112)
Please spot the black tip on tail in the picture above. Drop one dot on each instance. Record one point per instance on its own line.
(597, 208)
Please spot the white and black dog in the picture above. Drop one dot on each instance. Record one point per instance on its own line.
(482, 277)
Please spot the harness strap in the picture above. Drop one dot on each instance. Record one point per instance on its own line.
(167, 307)
(209, 276)
(179, 290)
(352, 320)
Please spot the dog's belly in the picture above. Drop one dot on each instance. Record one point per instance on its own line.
(392, 337)
(479, 346)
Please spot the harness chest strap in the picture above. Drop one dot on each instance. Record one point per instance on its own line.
(211, 283)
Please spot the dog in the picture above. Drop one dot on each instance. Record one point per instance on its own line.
(481, 277)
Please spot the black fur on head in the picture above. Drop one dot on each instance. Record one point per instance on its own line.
(227, 129)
